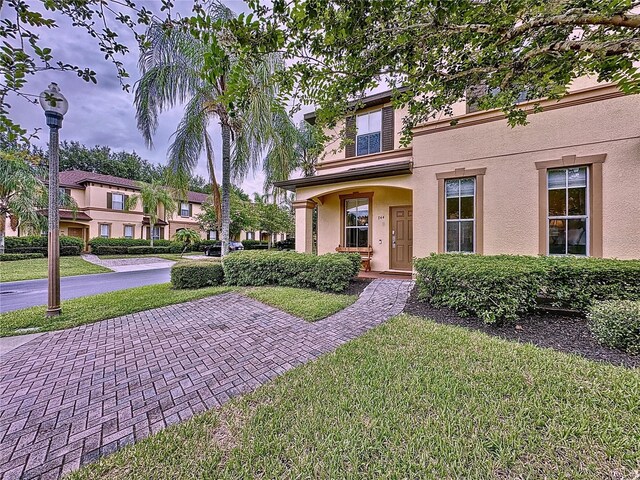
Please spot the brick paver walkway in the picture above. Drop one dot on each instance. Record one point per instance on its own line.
(72, 396)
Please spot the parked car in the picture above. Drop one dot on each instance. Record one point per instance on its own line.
(216, 250)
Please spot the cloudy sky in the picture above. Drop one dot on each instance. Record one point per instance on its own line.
(103, 114)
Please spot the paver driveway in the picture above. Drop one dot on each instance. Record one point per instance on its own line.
(72, 396)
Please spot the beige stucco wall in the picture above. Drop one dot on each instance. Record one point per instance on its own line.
(386, 193)
(511, 201)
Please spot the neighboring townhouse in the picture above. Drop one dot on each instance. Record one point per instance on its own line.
(102, 211)
(566, 184)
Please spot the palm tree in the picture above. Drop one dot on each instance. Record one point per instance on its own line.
(152, 196)
(22, 192)
(186, 236)
(173, 73)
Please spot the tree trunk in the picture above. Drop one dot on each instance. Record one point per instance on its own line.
(3, 226)
(226, 186)
(151, 225)
(215, 188)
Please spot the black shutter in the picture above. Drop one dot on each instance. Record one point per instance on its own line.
(190, 210)
(124, 202)
(109, 201)
(161, 233)
(148, 233)
(350, 132)
(387, 129)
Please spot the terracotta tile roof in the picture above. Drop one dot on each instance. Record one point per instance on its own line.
(69, 215)
(77, 179)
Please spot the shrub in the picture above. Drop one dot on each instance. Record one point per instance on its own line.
(202, 245)
(493, 288)
(10, 257)
(125, 242)
(177, 247)
(38, 244)
(616, 324)
(327, 272)
(502, 287)
(577, 282)
(254, 245)
(196, 274)
(141, 250)
(354, 258)
(288, 244)
(109, 250)
(69, 250)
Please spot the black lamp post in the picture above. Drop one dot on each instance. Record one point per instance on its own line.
(55, 106)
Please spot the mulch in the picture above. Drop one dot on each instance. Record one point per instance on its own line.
(357, 286)
(569, 334)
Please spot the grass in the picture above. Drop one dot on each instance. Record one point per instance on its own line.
(410, 399)
(79, 311)
(310, 305)
(167, 256)
(38, 268)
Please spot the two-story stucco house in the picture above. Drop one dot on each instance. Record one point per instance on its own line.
(567, 183)
(102, 211)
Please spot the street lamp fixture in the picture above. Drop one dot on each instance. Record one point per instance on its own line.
(55, 106)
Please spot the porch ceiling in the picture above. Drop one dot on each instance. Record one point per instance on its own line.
(404, 167)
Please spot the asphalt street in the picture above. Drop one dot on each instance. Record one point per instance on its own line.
(28, 293)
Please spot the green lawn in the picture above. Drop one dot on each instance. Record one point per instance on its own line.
(410, 399)
(79, 311)
(167, 256)
(301, 302)
(38, 268)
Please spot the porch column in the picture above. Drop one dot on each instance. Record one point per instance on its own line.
(304, 225)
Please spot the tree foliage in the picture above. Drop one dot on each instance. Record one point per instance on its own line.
(432, 53)
(153, 196)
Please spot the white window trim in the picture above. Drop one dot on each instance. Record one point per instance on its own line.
(569, 217)
(368, 132)
(113, 201)
(357, 227)
(459, 220)
(182, 210)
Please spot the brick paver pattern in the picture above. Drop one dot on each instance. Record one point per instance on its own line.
(70, 397)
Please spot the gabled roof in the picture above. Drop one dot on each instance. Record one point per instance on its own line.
(365, 102)
(78, 179)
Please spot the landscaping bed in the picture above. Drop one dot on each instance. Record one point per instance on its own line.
(569, 334)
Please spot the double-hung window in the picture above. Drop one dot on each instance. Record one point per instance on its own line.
(117, 201)
(368, 138)
(155, 233)
(213, 235)
(356, 211)
(184, 209)
(460, 214)
(567, 214)
(104, 230)
(128, 231)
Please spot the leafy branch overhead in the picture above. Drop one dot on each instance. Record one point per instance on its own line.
(433, 53)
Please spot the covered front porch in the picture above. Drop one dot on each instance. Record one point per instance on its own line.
(372, 216)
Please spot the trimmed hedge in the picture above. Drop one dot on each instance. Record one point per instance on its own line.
(616, 324)
(147, 250)
(491, 288)
(288, 244)
(126, 242)
(576, 283)
(109, 250)
(254, 245)
(203, 244)
(38, 244)
(503, 287)
(196, 274)
(11, 257)
(331, 272)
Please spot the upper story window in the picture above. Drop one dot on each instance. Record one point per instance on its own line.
(368, 138)
(117, 201)
(460, 215)
(185, 210)
(567, 215)
(356, 222)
